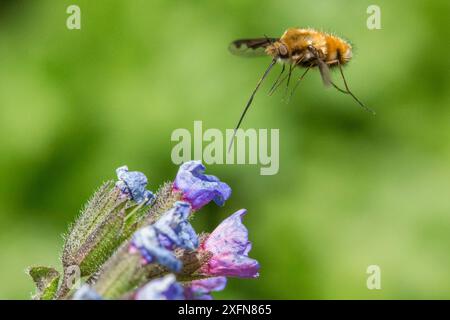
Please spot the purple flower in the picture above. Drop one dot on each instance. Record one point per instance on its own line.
(198, 188)
(201, 289)
(86, 293)
(165, 288)
(146, 241)
(229, 247)
(133, 184)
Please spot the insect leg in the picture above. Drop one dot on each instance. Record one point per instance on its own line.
(338, 89)
(291, 68)
(347, 91)
(276, 81)
(299, 80)
(296, 63)
(289, 75)
(250, 101)
(286, 76)
(278, 84)
(332, 83)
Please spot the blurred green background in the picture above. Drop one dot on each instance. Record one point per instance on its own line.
(353, 189)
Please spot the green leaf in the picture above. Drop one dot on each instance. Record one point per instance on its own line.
(46, 280)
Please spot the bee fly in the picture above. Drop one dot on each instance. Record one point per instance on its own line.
(303, 48)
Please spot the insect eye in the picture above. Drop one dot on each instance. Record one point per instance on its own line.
(282, 49)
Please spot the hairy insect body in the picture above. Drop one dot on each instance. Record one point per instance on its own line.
(302, 47)
(297, 47)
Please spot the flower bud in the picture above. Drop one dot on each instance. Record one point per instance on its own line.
(105, 222)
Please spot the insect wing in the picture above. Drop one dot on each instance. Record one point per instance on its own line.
(324, 72)
(250, 47)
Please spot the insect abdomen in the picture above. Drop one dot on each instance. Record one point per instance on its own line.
(338, 48)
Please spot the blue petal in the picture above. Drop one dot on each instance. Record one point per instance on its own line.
(146, 241)
(176, 228)
(165, 288)
(133, 184)
(165, 258)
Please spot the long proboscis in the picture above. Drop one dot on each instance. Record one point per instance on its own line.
(250, 101)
